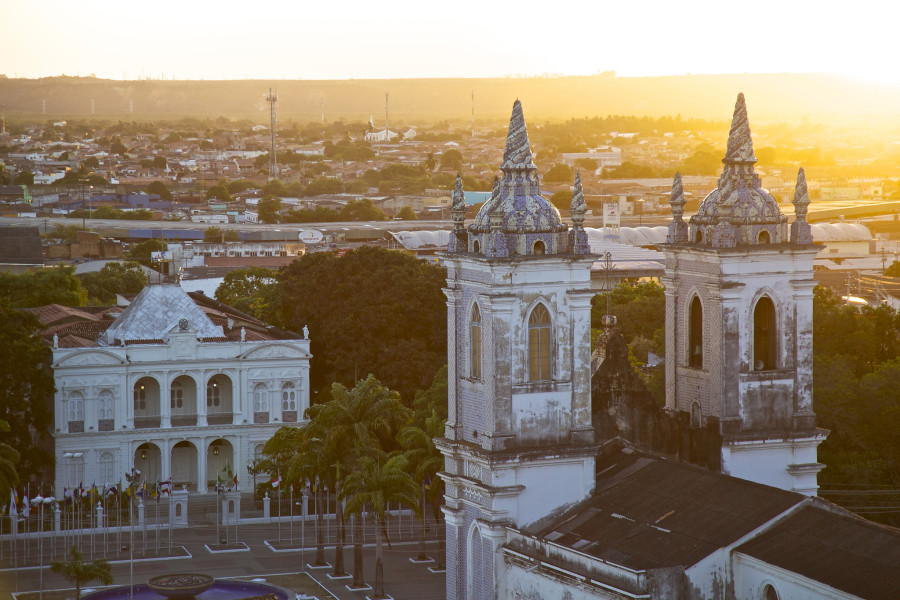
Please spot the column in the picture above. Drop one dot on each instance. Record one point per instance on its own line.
(165, 462)
(201, 400)
(201, 465)
(165, 401)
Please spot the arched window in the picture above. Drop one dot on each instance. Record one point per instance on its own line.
(177, 395)
(260, 402)
(769, 593)
(105, 405)
(696, 419)
(76, 407)
(763, 237)
(539, 344)
(288, 397)
(476, 247)
(695, 335)
(213, 393)
(764, 335)
(140, 397)
(106, 468)
(698, 237)
(105, 410)
(475, 341)
(539, 248)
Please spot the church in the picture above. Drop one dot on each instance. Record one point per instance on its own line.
(549, 493)
(178, 386)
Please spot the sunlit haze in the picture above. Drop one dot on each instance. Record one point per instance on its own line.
(355, 39)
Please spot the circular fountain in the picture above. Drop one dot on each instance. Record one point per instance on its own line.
(193, 586)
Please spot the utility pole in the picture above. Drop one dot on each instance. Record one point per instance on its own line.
(272, 98)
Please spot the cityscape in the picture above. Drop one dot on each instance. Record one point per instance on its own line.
(569, 326)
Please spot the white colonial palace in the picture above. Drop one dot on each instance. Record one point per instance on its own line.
(178, 386)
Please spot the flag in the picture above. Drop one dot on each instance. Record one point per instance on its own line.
(112, 490)
(166, 486)
(140, 492)
(12, 502)
(235, 481)
(276, 481)
(26, 507)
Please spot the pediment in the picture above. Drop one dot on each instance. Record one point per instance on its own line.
(90, 358)
(275, 351)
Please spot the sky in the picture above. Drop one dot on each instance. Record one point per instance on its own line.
(353, 39)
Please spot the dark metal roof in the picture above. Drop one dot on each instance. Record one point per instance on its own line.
(843, 551)
(648, 512)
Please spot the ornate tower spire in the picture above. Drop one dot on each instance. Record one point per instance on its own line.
(517, 154)
(528, 222)
(801, 233)
(739, 212)
(578, 241)
(740, 144)
(458, 237)
(678, 233)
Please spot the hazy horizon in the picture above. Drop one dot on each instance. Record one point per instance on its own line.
(358, 40)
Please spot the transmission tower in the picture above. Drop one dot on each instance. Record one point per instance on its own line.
(272, 98)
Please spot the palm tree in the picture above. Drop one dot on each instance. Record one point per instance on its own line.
(312, 463)
(425, 460)
(79, 571)
(379, 481)
(354, 423)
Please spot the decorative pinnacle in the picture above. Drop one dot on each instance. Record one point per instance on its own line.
(677, 198)
(458, 198)
(801, 196)
(578, 204)
(518, 151)
(740, 144)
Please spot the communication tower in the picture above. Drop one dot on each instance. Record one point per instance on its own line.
(272, 98)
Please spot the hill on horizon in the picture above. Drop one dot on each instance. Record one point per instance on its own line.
(770, 98)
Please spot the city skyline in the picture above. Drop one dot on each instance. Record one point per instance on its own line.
(358, 40)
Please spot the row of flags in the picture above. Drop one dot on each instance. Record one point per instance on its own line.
(19, 502)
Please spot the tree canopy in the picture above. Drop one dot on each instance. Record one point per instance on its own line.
(26, 389)
(559, 173)
(158, 187)
(407, 214)
(114, 278)
(267, 208)
(370, 311)
(57, 285)
(251, 290)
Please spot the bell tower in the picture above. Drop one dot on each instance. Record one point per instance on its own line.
(739, 288)
(519, 443)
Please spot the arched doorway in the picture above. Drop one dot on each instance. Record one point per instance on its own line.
(184, 465)
(148, 460)
(220, 467)
(219, 400)
(146, 403)
(183, 401)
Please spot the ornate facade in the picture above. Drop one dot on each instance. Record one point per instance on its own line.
(181, 388)
(739, 288)
(519, 443)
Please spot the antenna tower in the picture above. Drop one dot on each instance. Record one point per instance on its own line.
(272, 98)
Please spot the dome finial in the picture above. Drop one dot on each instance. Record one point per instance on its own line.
(578, 206)
(677, 227)
(801, 232)
(740, 144)
(458, 197)
(578, 240)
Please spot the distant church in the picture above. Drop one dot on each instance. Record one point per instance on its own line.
(558, 490)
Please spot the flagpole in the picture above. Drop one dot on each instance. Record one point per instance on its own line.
(292, 514)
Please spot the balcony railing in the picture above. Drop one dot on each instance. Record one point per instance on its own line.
(219, 418)
(184, 420)
(146, 422)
